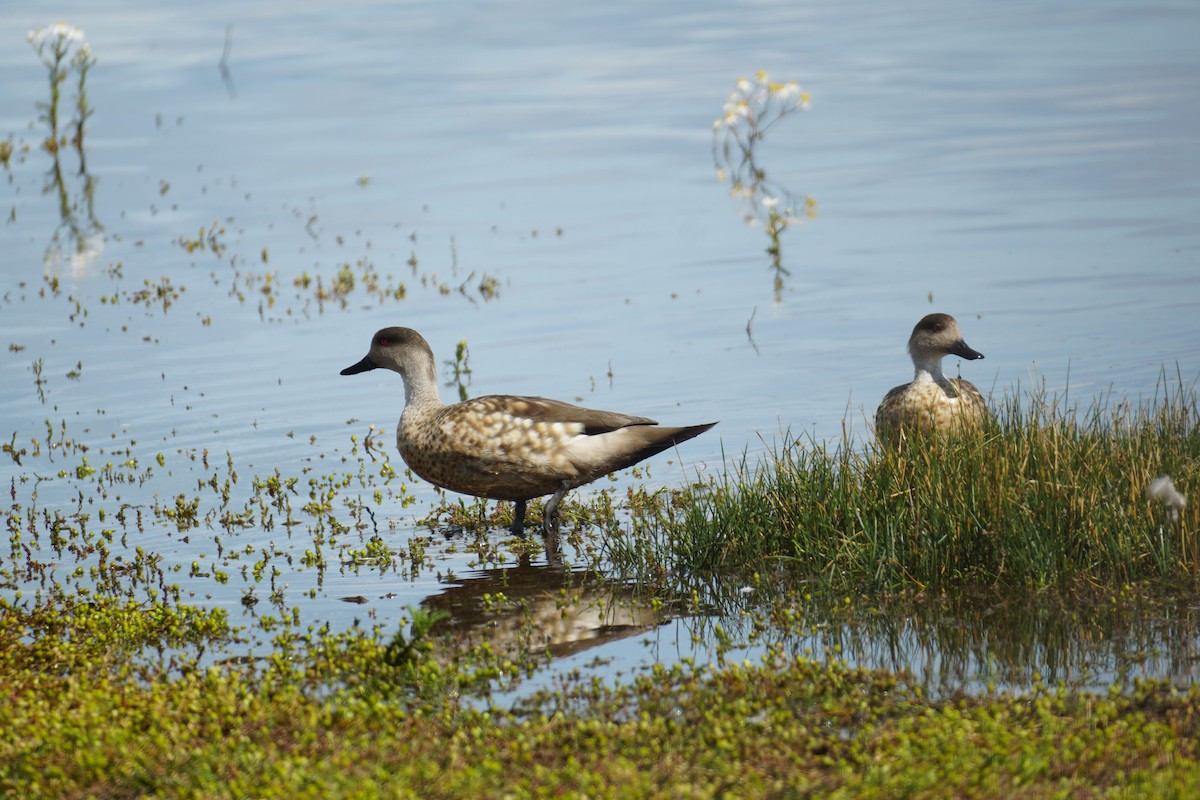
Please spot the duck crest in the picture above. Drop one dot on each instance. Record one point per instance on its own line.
(508, 447)
(932, 403)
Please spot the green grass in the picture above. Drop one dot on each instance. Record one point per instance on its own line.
(1047, 494)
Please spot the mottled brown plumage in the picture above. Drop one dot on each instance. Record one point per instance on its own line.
(932, 403)
(506, 447)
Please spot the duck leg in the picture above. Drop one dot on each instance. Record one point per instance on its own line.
(550, 511)
(518, 527)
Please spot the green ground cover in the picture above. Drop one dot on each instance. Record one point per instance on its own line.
(343, 722)
(109, 696)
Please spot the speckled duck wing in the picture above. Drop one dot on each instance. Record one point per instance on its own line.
(544, 410)
(974, 408)
(889, 417)
(574, 443)
(514, 448)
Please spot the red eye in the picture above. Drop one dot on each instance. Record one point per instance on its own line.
(938, 327)
(384, 342)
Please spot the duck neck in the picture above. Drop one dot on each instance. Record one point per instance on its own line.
(929, 368)
(421, 389)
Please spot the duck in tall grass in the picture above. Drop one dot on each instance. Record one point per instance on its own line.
(506, 447)
(932, 403)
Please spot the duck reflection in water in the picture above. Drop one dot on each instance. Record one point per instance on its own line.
(543, 608)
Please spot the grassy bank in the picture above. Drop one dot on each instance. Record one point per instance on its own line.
(1047, 494)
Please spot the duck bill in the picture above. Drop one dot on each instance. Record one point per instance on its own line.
(367, 364)
(963, 350)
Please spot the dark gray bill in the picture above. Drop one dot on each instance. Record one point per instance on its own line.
(367, 364)
(962, 350)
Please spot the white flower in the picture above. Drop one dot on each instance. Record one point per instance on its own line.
(731, 108)
(770, 202)
(58, 31)
(1164, 489)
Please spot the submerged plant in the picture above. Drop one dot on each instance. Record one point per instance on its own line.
(53, 44)
(63, 49)
(753, 108)
(405, 652)
(459, 370)
(82, 62)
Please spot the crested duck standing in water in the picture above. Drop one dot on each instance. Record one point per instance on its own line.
(932, 402)
(506, 447)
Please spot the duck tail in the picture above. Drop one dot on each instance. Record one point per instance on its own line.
(656, 439)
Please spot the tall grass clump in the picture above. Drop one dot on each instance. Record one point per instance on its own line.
(1046, 494)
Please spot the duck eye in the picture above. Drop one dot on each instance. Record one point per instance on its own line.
(384, 341)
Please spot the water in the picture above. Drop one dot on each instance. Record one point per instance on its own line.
(1029, 169)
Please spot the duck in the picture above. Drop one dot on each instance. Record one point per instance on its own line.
(508, 447)
(932, 403)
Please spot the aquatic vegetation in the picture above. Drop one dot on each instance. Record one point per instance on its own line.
(1047, 493)
(80, 513)
(336, 719)
(206, 240)
(53, 44)
(82, 62)
(360, 280)
(38, 381)
(752, 109)
(69, 633)
(406, 652)
(63, 49)
(459, 370)
(81, 237)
